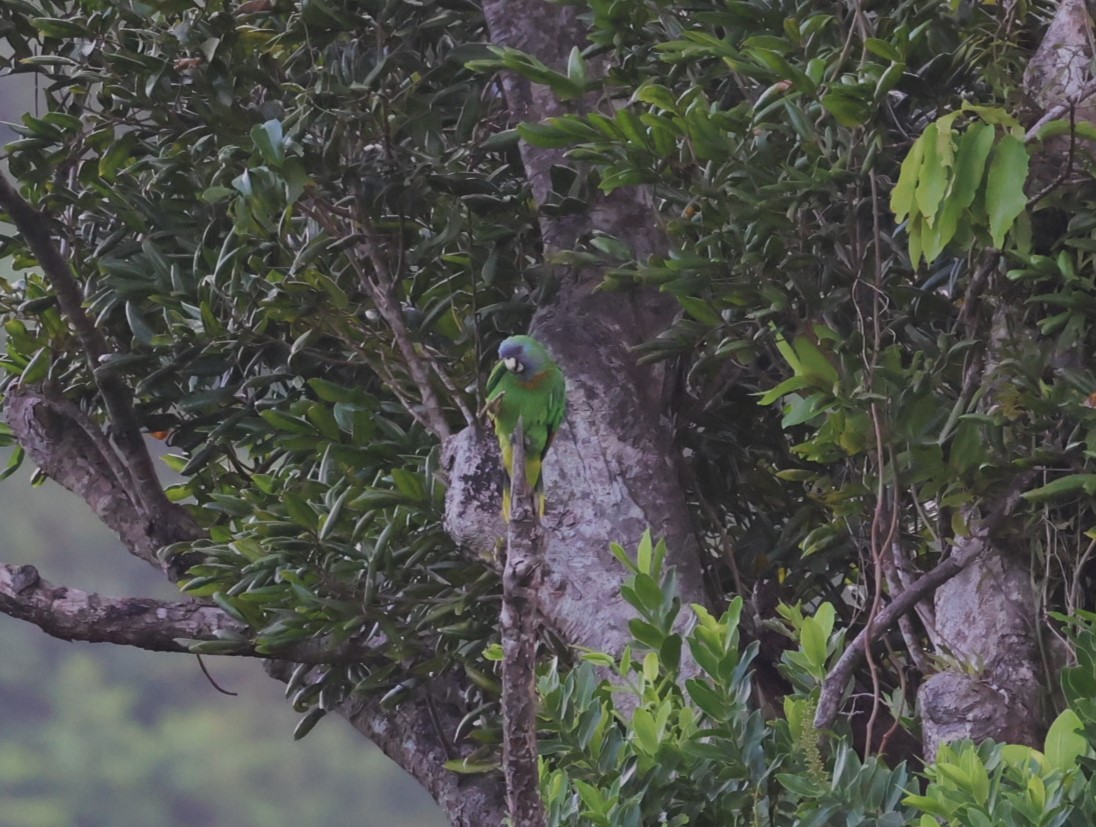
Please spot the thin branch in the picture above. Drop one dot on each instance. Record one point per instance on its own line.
(963, 554)
(1060, 109)
(894, 585)
(521, 580)
(155, 625)
(117, 397)
(381, 288)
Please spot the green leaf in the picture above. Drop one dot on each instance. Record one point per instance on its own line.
(268, 139)
(1069, 484)
(37, 368)
(656, 95)
(1005, 199)
(700, 310)
(576, 66)
(789, 385)
(813, 642)
(137, 324)
(970, 163)
(300, 511)
(883, 49)
(813, 362)
(650, 666)
(1064, 741)
(113, 158)
(459, 765)
(544, 135)
(848, 106)
(646, 734)
(932, 177)
(902, 200)
(14, 462)
(58, 27)
(306, 724)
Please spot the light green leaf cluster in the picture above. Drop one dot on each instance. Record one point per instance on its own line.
(958, 182)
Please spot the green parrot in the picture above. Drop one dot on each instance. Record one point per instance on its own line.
(527, 385)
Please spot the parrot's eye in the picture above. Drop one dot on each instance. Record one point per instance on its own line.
(513, 365)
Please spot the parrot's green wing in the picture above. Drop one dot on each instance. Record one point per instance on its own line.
(555, 411)
(497, 372)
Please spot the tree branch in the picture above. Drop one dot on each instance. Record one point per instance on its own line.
(381, 289)
(415, 734)
(521, 580)
(963, 554)
(144, 623)
(141, 480)
(74, 452)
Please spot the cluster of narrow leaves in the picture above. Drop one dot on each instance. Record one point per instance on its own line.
(692, 747)
(674, 736)
(217, 179)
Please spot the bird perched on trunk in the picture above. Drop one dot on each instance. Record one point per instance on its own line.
(525, 385)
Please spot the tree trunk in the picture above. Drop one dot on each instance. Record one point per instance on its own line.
(612, 471)
(985, 619)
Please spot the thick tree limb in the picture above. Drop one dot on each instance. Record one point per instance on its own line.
(74, 452)
(144, 623)
(964, 553)
(415, 734)
(141, 481)
(521, 576)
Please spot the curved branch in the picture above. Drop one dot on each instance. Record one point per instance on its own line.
(964, 553)
(141, 480)
(72, 614)
(73, 451)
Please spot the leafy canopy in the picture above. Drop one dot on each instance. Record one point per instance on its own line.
(846, 196)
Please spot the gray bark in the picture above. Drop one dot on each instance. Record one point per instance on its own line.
(985, 624)
(986, 618)
(76, 453)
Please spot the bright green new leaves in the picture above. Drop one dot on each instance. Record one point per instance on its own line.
(1005, 198)
(955, 185)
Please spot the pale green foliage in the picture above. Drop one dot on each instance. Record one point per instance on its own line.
(956, 183)
(1005, 785)
(697, 751)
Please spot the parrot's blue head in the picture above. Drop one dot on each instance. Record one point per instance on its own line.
(523, 355)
